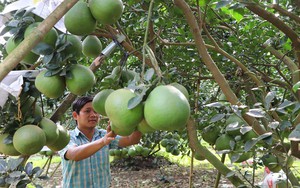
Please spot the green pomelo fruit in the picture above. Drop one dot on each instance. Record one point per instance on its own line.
(81, 79)
(210, 134)
(233, 119)
(106, 11)
(249, 135)
(29, 139)
(233, 129)
(62, 140)
(144, 127)
(116, 71)
(275, 169)
(124, 151)
(242, 157)
(199, 157)
(30, 58)
(51, 86)
(116, 107)
(99, 101)
(118, 152)
(139, 148)
(132, 152)
(50, 129)
(122, 131)
(145, 152)
(270, 161)
(166, 108)
(7, 148)
(112, 152)
(91, 46)
(175, 152)
(75, 47)
(79, 20)
(50, 38)
(127, 75)
(181, 88)
(164, 142)
(223, 142)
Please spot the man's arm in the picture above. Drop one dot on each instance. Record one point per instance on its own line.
(132, 139)
(81, 152)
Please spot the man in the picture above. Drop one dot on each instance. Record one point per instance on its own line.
(85, 160)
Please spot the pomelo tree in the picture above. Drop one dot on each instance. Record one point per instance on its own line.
(238, 60)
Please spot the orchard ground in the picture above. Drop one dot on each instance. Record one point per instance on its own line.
(154, 172)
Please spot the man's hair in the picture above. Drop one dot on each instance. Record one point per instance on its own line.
(80, 102)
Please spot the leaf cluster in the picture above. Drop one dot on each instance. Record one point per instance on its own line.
(13, 172)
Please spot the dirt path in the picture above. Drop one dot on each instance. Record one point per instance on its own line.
(143, 173)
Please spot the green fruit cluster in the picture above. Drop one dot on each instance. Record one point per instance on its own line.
(171, 143)
(29, 139)
(91, 13)
(78, 81)
(136, 150)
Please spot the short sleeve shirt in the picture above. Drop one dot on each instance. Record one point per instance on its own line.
(92, 172)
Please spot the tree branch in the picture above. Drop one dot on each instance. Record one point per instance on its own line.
(15, 57)
(285, 13)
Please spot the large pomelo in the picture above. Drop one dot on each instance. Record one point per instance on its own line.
(80, 79)
(144, 127)
(166, 108)
(122, 131)
(75, 47)
(210, 134)
(91, 46)
(223, 142)
(79, 20)
(51, 86)
(29, 139)
(50, 38)
(11, 44)
(106, 11)
(62, 140)
(116, 107)
(50, 129)
(181, 88)
(7, 148)
(99, 101)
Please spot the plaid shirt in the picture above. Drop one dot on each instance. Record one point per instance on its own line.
(92, 172)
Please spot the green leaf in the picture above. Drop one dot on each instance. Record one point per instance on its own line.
(230, 174)
(133, 102)
(296, 86)
(14, 163)
(269, 98)
(217, 118)
(3, 166)
(42, 49)
(149, 74)
(245, 129)
(295, 134)
(223, 3)
(47, 58)
(274, 125)
(215, 105)
(257, 113)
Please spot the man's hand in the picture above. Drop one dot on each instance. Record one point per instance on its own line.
(110, 135)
